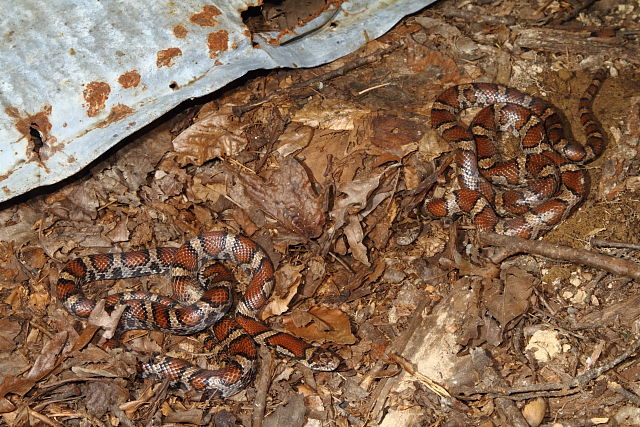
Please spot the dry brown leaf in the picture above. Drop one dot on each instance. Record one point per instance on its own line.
(15, 385)
(120, 233)
(331, 158)
(512, 301)
(465, 294)
(103, 395)
(190, 417)
(290, 414)
(294, 138)
(107, 321)
(393, 133)
(382, 230)
(34, 256)
(330, 113)
(9, 330)
(41, 367)
(326, 324)
(352, 198)
(288, 278)
(285, 194)
(314, 277)
(13, 363)
(48, 356)
(210, 191)
(353, 232)
(6, 406)
(217, 134)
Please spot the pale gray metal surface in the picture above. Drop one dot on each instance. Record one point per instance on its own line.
(80, 75)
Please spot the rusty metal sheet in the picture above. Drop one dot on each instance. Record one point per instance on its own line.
(79, 75)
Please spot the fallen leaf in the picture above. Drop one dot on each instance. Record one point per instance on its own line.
(353, 232)
(285, 194)
(512, 301)
(9, 330)
(288, 278)
(325, 324)
(48, 357)
(218, 133)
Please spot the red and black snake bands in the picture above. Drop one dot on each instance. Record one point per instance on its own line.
(195, 307)
(526, 196)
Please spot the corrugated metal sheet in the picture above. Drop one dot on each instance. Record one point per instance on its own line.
(80, 75)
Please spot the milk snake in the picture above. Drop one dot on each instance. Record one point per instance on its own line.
(195, 307)
(539, 188)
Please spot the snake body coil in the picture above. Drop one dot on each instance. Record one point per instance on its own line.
(195, 308)
(538, 189)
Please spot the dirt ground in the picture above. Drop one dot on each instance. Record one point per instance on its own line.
(327, 169)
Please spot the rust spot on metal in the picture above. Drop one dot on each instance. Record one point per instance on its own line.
(180, 31)
(217, 43)
(36, 129)
(119, 112)
(96, 95)
(12, 111)
(166, 57)
(206, 18)
(129, 79)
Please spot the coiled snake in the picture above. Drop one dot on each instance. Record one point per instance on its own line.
(194, 307)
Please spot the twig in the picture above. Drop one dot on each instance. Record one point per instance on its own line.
(617, 388)
(431, 385)
(543, 7)
(483, 363)
(44, 419)
(580, 256)
(602, 243)
(577, 42)
(262, 387)
(594, 284)
(342, 262)
(379, 394)
(425, 184)
(153, 413)
(359, 62)
(551, 389)
(369, 89)
(473, 14)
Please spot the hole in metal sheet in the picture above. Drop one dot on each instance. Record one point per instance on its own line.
(36, 138)
(279, 15)
(173, 85)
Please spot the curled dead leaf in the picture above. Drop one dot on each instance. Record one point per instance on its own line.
(217, 134)
(284, 194)
(512, 301)
(288, 278)
(322, 324)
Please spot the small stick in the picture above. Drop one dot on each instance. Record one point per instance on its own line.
(262, 387)
(602, 243)
(617, 388)
(428, 382)
(550, 389)
(580, 256)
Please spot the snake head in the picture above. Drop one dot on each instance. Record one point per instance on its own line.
(322, 359)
